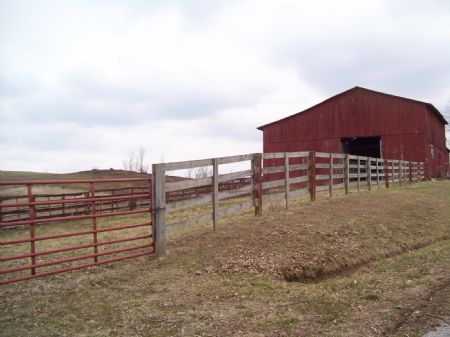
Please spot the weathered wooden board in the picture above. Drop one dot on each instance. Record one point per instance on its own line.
(273, 155)
(322, 188)
(185, 184)
(274, 183)
(182, 165)
(234, 193)
(322, 155)
(235, 175)
(298, 167)
(298, 180)
(273, 169)
(235, 159)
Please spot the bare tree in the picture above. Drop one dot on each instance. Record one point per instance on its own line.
(128, 163)
(199, 172)
(141, 166)
(136, 161)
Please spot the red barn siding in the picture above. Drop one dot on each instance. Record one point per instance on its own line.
(407, 128)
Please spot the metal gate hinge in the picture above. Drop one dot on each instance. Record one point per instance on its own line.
(157, 209)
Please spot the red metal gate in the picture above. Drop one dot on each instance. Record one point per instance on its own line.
(45, 244)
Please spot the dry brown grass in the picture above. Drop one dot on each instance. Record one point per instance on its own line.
(230, 283)
(335, 235)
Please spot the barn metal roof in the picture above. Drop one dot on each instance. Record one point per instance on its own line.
(429, 105)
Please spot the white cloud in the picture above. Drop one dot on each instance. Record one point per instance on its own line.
(83, 83)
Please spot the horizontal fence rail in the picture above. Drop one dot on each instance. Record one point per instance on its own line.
(45, 234)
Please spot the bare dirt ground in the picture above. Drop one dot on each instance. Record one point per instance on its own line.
(367, 264)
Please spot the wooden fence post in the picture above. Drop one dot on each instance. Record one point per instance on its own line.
(378, 173)
(386, 172)
(415, 172)
(312, 175)
(286, 177)
(358, 173)
(346, 173)
(409, 172)
(369, 172)
(419, 165)
(405, 171)
(393, 173)
(424, 171)
(257, 182)
(159, 208)
(331, 174)
(215, 195)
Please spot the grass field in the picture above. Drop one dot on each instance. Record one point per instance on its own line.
(367, 264)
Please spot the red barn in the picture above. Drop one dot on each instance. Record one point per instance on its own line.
(365, 122)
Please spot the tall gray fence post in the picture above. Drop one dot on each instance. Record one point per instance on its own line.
(378, 173)
(215, 195)
(286, 177)
(346, 173)
(393, 173)
(257, 182)
(405, 172)
(330, 188)
(159, 208)
(312, 175)
(369, 172)
(358, 177)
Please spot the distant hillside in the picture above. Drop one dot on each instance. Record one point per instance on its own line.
(82, 175)
(87, 175)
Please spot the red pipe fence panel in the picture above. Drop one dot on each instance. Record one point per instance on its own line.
(52, 245)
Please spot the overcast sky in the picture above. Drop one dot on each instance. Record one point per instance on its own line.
(83, 83)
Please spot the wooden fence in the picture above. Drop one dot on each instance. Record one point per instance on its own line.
(284, 176)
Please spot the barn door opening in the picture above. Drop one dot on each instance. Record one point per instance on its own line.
(362, 146)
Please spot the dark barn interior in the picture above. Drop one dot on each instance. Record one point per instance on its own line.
(362, 146)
